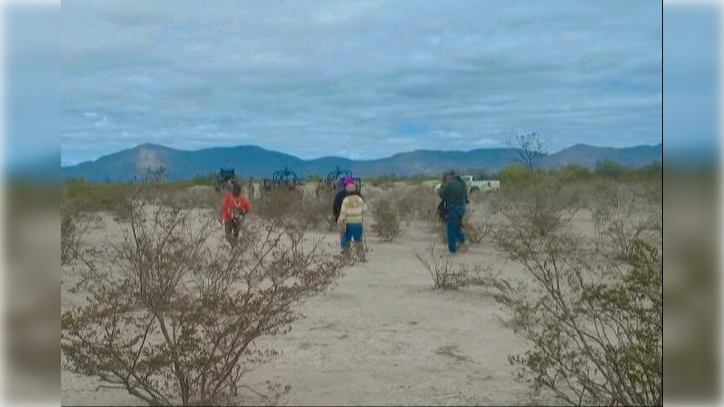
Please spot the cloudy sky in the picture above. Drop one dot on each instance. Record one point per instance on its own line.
(361, 79)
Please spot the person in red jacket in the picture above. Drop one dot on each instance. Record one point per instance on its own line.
(233, 209)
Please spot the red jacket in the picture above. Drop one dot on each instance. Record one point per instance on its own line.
(229, 202)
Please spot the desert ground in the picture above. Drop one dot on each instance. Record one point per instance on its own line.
(381, 335)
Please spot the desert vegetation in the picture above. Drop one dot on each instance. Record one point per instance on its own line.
(386, 226)
(589, 303)
(171, 316)
(159, 308)
(596, 328)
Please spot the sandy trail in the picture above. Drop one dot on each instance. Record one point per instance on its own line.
(383, 336)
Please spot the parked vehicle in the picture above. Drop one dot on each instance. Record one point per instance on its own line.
(224, 179)
(282, 179)
(477, 184)
(333, 182)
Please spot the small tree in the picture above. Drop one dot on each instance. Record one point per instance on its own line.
(530, 147)
(386, 226)
(173, 321)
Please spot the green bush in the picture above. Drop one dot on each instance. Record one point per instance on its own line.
(514, 175)
(572, 173)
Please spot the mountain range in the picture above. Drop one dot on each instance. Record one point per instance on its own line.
(257, 162)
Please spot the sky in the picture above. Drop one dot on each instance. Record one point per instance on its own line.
(358, 79)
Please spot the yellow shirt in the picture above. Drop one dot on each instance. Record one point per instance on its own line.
(352, 211)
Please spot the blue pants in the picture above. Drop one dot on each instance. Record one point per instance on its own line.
(453, 221)
(353, 231)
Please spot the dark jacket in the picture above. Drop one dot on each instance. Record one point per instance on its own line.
(454, 192)
(337, 205)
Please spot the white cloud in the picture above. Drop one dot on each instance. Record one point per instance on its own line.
(308, 78)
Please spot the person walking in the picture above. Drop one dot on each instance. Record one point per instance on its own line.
(454, 194)
(351, 217)
(339, 197)
(234, 207)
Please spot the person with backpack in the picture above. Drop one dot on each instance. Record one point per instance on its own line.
(339, 197)
(454, 194)
(351, 217)
(234, 207)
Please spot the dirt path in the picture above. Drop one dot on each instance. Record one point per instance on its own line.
(383, 336)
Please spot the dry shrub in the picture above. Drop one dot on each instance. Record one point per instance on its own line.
(476, 230)
(173, 321)
(74, 226)
(418, 203)
(372, 193)
(72, 229)
(483, 276)
(285, 206)
(601, 197)
(279, 205)
(198, 196)
(444, 274)
(88, 197)
(386, 226)
(317, 210)
(541, 208)
(621, 219)
(596, 331)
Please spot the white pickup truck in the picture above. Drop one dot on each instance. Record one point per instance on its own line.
(477, 184)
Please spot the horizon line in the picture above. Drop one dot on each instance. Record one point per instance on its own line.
(340, 157)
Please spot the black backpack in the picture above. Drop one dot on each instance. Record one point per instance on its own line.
(441, 210)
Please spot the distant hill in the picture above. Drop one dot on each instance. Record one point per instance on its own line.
(258, 162)
(589, 156)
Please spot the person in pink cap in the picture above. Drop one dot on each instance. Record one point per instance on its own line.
(351, 217)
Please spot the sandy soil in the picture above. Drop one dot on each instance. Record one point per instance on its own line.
(382, 336)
